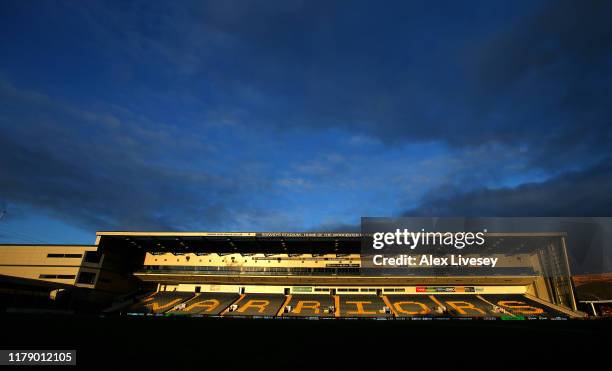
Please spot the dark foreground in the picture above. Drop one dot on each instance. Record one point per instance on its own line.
(138, 343)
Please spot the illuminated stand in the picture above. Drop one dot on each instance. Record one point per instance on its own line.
(309, 274)
(536, 262)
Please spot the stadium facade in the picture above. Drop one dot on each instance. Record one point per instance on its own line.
(281, 274)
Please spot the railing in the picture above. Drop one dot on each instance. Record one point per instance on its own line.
(275, 271)
(280, 271)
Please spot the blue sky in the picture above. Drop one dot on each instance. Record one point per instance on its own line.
(298, 115)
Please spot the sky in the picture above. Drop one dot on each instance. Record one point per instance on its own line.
(298, 115)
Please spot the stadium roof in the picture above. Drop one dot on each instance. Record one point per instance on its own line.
(284, 242)
(240, 242)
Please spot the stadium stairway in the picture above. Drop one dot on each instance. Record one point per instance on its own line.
(574, 314)
(526, 305)
(127, 301)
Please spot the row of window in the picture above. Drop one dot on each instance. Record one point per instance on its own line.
(84, 277)
(64, 256)
(58, 276)
(216, 269)
(90, 256)
(317, 289)
(265, 260)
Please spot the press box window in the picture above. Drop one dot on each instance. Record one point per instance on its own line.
(87, 278)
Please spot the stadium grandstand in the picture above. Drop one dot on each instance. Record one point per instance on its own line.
(289, 275)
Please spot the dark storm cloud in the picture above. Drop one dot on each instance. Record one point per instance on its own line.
(522, 78)
(564, 31)
(546, 81)
(580, 193)
(100, 171)
(460, 74)
(389, 72)
(457, 73)
(133, 196)
(407, 72)
(575, 194)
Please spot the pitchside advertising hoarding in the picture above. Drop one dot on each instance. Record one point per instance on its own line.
(547, 247)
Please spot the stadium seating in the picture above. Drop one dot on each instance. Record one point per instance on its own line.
(466, 305)
(363, 306)
(206, 303)
(523, 306)
(310, 305)
(347, 305)
(415, 306)
(160, 302)
(256, 305)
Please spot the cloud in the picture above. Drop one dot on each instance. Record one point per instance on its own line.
(574, 194)
(110, 170)
(579, 193)
(539, 83)
(293, 183)
(248, 96)
(405, 73)
(543, 83)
